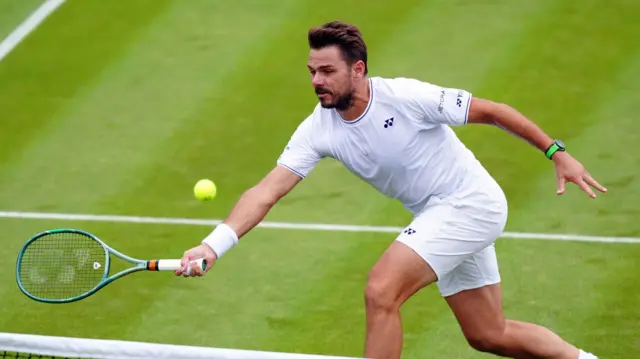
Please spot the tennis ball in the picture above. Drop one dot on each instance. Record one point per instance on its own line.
(204, 190)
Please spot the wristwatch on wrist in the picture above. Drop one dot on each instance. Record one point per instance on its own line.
(556, 146)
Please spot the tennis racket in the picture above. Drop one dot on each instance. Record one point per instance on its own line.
(67, 265)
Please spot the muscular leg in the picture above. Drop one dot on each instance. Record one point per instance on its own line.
(399, 273)
(479, 312)
(456, 237)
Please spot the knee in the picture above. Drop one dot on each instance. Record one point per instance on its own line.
(488, 342)
(379, 297)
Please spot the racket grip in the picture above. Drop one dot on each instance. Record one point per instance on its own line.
(172, 264)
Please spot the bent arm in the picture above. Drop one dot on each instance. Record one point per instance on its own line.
(504, 116)
(256, 202)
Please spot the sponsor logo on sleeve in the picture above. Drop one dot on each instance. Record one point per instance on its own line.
(459, 99)
(441, 104)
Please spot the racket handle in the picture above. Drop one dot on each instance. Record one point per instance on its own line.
(172, 264)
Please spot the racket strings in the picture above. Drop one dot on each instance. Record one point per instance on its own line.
(62, 265)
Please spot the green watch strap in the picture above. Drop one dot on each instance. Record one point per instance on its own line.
(551, 150)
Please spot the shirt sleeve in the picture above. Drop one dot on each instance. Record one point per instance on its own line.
(438, 105)
(300, 156)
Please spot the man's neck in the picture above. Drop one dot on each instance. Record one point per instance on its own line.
(360, 102)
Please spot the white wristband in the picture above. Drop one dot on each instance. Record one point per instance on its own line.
(221, 239)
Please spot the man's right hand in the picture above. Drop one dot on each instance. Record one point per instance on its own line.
(201, 251)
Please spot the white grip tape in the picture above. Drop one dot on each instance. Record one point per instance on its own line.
(174, 264)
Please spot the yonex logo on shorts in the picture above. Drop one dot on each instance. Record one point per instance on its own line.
(409, 231)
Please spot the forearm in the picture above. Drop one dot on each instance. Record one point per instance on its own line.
(249, 211)
(512, 121)
(251, 208)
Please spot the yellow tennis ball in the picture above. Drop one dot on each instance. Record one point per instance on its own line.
(205, 190)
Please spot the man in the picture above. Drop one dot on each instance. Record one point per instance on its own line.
(395, 134)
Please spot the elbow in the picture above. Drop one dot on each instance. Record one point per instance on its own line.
(494, 113)
(486, 112)
(501, 108)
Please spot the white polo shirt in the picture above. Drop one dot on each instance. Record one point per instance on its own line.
(402, 145)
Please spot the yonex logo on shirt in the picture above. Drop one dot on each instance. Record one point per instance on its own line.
(388, 122)
(403, 160)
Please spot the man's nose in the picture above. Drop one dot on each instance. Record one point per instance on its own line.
(317, 80)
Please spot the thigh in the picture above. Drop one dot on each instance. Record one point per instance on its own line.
(478, 311)
(399, 273)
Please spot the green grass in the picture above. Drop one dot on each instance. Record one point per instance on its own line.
(13, 12)
(120, 107)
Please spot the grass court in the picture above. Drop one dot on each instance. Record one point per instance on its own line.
(119, 107)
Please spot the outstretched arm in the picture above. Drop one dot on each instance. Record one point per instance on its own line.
(567, 168)
(296, 161)
(256, 202)
(249, 211)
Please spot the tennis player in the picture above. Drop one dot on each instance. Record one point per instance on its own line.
(396, 135)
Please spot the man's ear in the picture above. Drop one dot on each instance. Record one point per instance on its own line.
(358, 69)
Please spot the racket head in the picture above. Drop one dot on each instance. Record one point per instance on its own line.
(62, 266)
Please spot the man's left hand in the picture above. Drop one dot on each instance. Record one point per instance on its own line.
(568, 169)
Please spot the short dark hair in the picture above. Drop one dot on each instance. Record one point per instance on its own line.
(346, 36)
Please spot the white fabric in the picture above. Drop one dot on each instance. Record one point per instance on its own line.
(221, 239)
(416, 156)
(119, 349)
(456, 236)
(403, 145)
(586, 355)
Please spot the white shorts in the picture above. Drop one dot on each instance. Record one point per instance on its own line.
(455, 236)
